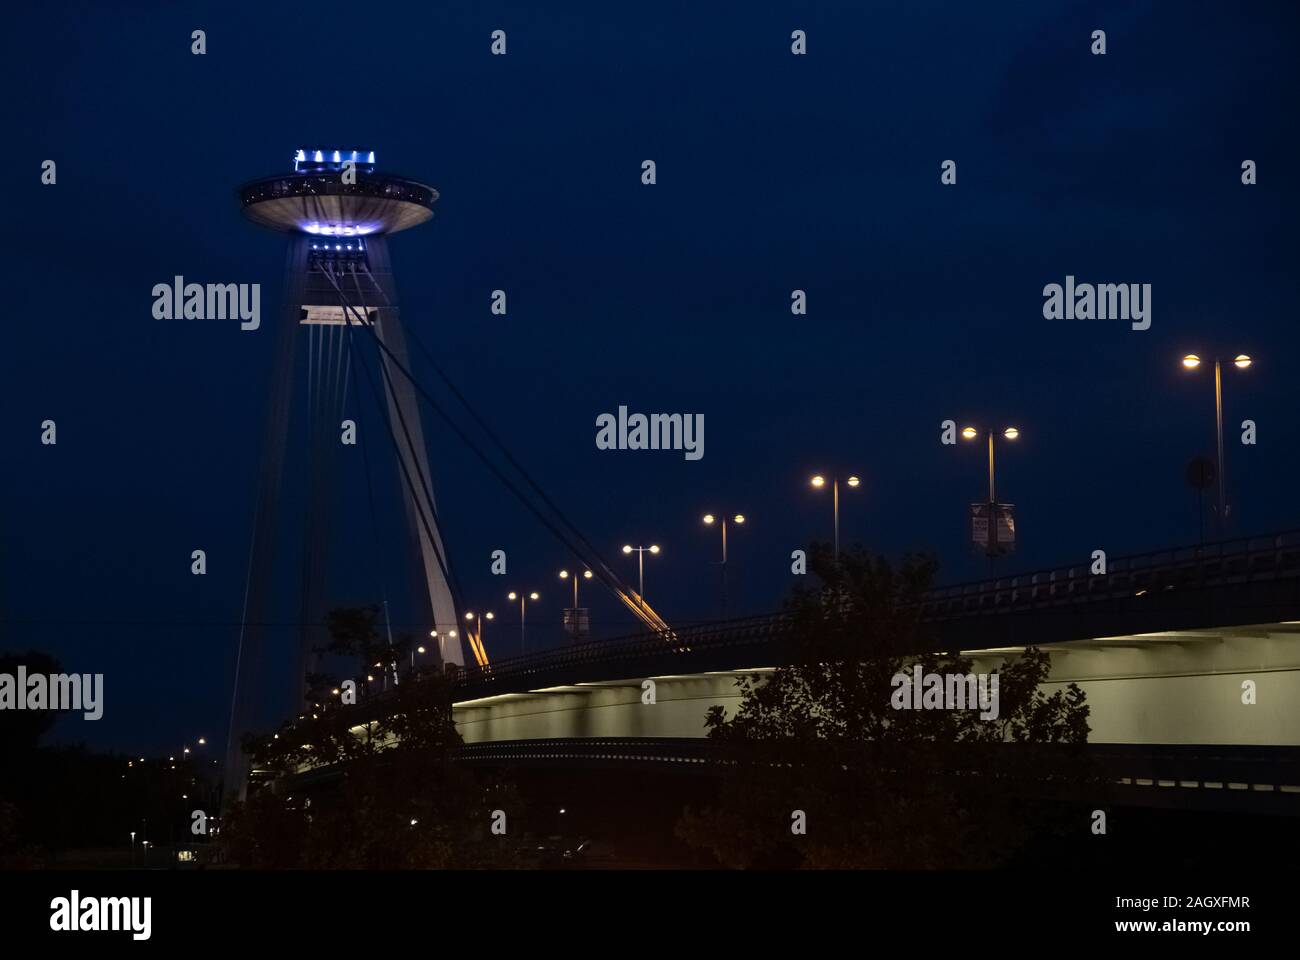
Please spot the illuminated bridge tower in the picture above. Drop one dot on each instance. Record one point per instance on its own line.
(337, 210)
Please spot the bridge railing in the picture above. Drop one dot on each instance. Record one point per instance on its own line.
(1230, 561)
(712, 635)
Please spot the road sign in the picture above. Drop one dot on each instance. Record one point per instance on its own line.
(1004, 528)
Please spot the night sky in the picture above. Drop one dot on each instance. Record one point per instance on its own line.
(775, 172)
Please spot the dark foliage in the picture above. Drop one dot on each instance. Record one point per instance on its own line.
(882, 787)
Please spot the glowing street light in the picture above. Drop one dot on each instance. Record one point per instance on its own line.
(1010, 433)
(470, 617)
(640, 564)
(1241, 361)
(523, 600)
(818, 481)
(565, 575)
(709, 520)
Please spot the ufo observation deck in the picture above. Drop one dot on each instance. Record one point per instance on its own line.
(315, 200)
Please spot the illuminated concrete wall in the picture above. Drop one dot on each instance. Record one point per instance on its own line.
(1158, 688)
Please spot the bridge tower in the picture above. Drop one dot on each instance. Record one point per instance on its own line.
(337, 210)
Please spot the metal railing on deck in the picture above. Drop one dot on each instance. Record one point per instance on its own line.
(1230, 561)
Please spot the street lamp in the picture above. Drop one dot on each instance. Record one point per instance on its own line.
(470, 617)
(640, 563)
(1010, 433)
(442, 637)
(818, 481)
(512, 595)
(1241, 361)
(565, 575)
(709, 520)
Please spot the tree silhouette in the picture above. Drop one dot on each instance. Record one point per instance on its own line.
(881, 787)
(370, 784)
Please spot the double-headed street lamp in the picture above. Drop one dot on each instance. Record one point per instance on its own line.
(1010, 433)
(970, 433)
(442, 648)
(471, 616)
(565, 575)
(576, 626)
(523, 599)
(1241, 362)
(818, 482)
(709, 520)
(640, 563)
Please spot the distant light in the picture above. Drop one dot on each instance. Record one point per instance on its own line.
(489, 616)
(512, 595)
(1011, 433)
(335, 691)
(654, 548)
(202, 742)
(336, 156)
(419, 649)
(853, 481)
(320, 157)
(452, 634)
(564, 574)
(300, 157)
(371, 158)
(369, 678)
(739, 518)
(469, 616)
(970, 433)
(708, 518)
(586, 574)
(627, 548)
(1191, 361)
(562, 810)
(414, 821)
(433, 633)
(533, 596)
(1243, 361)
(819, 481)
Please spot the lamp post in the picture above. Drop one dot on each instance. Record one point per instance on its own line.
(1241, 362)
(565, 575)
(441, 638)
(1010, 433)
(471, 616)
(818, 481)
(709, 520)
(512, 595)
(640, 564)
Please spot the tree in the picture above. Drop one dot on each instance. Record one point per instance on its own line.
(21, 730)
(880, 786)
(371, 784)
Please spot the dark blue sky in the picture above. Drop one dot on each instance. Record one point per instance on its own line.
(775, 172)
